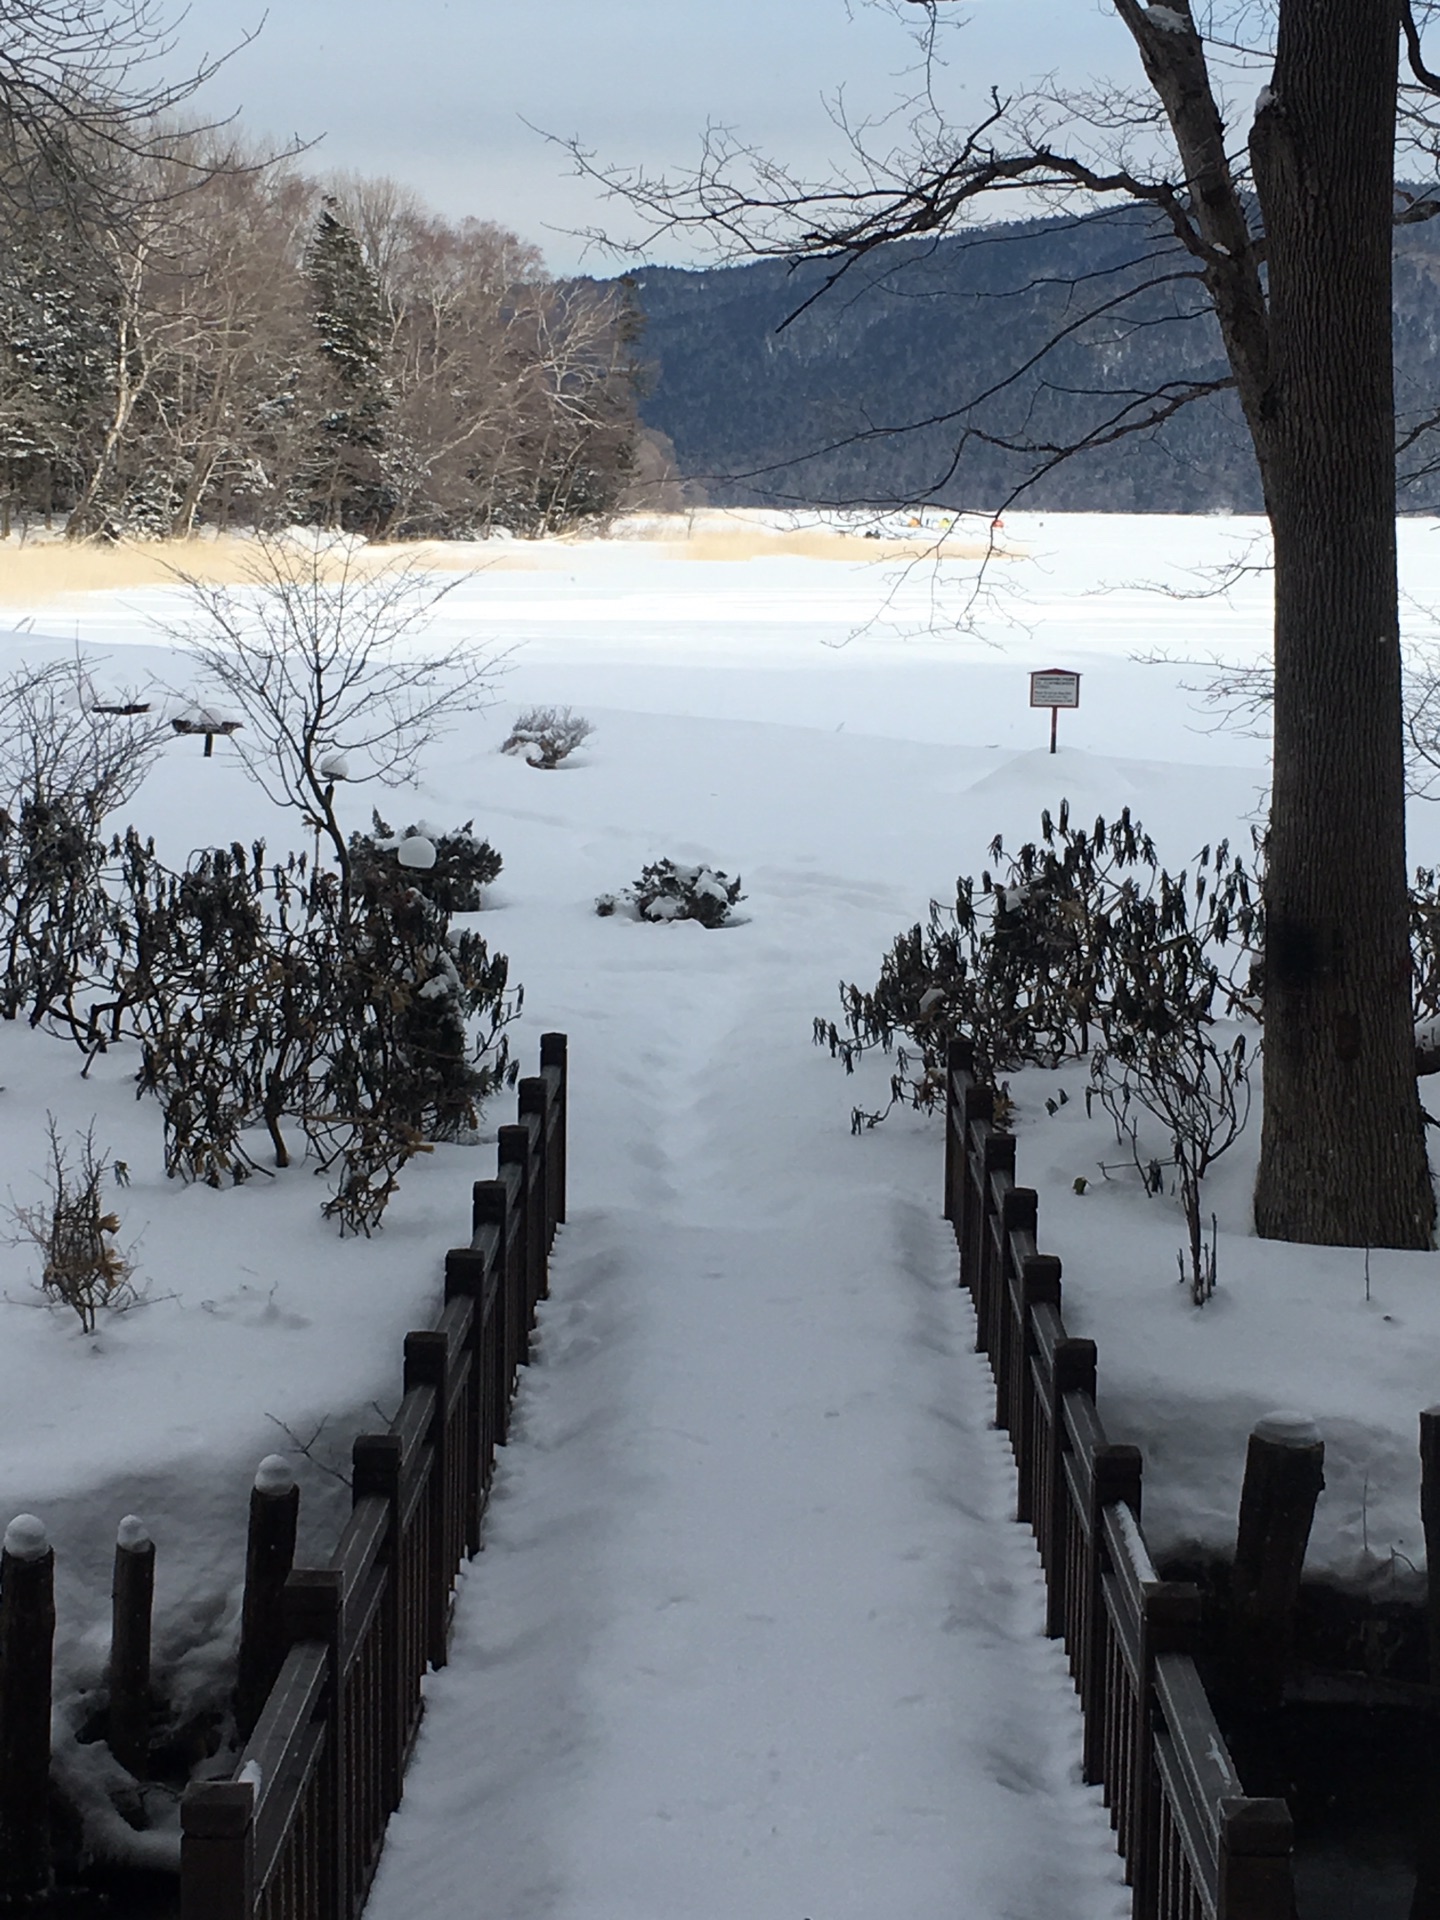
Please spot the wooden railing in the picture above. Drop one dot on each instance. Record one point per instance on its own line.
(1195, 1848)
(296, 1833)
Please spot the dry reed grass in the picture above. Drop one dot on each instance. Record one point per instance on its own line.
(819, 543)
(43, 570)
(35, 571)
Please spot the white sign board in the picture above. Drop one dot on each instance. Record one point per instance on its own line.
(1055, 687)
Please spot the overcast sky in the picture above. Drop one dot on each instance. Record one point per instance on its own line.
(436, 93)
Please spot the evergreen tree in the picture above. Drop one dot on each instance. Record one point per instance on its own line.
(350, 487)
(56, 332)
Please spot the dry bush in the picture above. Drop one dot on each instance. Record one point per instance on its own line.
(377, 1149)
(547, 735)
(84, 1269)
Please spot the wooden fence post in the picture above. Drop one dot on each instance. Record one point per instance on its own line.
(1115, 1476)
(466, 1274)
(1169, 1619)
(1019, 1213)
(1039, 1286)
(427, 1365)
(555, 1052)
(132, 1596)
(1256, 1875)
(1074, 1373)
(27, 1643)
(490, 1207)
(514, 1151)
(1284, 1473)
(217, 1851)
(314, 1608)
(978, 1104)
(375, 1460)
(997, 1156)
(535, 1099)
(269, 1556)
(959, 1059)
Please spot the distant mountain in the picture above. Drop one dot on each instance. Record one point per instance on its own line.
(765, 412)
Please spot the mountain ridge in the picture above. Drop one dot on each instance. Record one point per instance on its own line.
(905, 380)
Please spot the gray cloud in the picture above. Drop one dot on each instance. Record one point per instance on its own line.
(438, 95)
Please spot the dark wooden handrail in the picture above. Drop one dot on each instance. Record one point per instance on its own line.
(296, 1833)
(1195, 1847)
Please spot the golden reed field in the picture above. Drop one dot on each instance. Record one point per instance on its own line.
(48, 568)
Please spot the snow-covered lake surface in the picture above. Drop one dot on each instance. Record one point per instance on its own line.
(753, 1633)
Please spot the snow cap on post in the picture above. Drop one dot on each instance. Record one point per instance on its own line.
(26, 1538)
(132, 1534)
(1286, 1428)
(274, 1474)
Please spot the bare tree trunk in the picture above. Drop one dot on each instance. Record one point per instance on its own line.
(128, 388)
(1343, 1151)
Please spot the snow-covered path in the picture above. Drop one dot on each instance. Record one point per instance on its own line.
(754, 1633)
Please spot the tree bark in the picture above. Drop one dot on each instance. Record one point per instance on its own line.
(1342, 1149)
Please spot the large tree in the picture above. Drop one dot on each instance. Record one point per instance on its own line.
(1284, 228)
(87, 89)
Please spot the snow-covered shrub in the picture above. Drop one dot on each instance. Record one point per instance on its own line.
(463, 863)
(419, 1013)
(195, 985)
(668, 891)
(83, 1267)
(55, 911)
(1017, 964)
(264, 996)
(68, 756)
(1026, 962)
(547, 735)
(1089, 946)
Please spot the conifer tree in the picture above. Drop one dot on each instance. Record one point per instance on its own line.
(56, 323)
(350, 486)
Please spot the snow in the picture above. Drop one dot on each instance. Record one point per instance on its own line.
(274, 1475)
(26, 1538)
(132, 1534)
(1287, 1429)
(753, 1630)
(1168, 19)
(417, 852)
(1265, 98)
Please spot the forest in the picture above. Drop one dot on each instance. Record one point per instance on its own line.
(225, 341)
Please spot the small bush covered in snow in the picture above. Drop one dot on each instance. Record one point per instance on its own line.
(1089, 947)
(271, 996)
(1044, 974)
(547, 735)
(463, 863)
(668, 891)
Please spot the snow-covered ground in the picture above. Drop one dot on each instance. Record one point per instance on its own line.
(752, 1632)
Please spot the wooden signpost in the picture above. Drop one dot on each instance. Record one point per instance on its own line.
(1054, 687)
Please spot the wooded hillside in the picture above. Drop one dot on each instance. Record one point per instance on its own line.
(764, 412)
